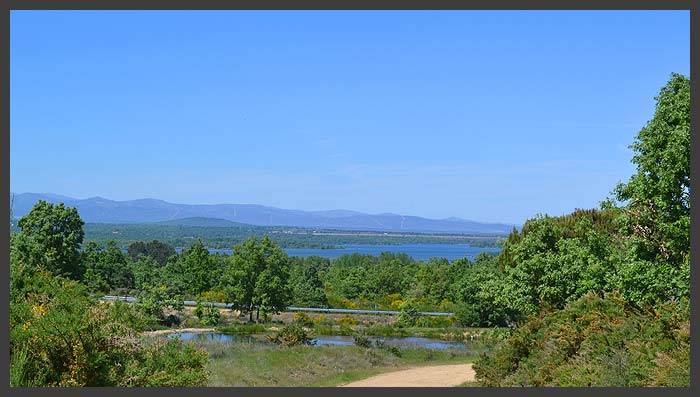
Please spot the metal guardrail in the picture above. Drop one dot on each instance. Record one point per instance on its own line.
(291, 308)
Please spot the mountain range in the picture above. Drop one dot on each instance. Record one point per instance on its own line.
(102, 210)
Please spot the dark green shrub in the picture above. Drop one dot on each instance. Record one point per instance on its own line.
(208, 315)
(594, 341)
(291, 335)
(468, 315)
(408, 316)
(60, 336)
(169, 363)
(362, 341)
(395, 350)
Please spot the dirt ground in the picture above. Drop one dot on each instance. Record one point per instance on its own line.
(431, 376)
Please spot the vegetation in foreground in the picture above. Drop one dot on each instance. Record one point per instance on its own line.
(60, 336)
(603, 295)
(595, 341)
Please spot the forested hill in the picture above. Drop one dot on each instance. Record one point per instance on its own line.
(101, 210)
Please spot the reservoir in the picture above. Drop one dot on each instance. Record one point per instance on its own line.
(324, 340)
(421, 252)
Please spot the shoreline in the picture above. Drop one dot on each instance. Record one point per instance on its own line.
(176, 330)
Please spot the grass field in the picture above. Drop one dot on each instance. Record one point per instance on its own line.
(254, 364)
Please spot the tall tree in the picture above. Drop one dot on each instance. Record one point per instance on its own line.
(106, 268)
(257, 277)
(658, 194)
(307, 286)
(193, 271)
(657, 217)
(50, 237)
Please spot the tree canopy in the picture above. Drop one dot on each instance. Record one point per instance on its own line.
(50, 237)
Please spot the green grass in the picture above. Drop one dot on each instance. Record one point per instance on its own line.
(386, 330)
(244, 328)
(443, 333)
(253, 364)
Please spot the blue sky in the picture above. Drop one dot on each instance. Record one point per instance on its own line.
(491, 116)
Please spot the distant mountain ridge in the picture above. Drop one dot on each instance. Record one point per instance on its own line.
(102, 210)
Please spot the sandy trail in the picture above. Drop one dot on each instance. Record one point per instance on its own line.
(431, 376)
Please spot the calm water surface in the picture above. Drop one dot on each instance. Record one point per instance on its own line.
(419, 252)
(324, 340)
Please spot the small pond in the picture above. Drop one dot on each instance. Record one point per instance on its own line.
(322, 340)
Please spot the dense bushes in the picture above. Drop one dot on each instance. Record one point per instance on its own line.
(555, 260)
(208, 315)
(634, 251)
(594, 341)
(167, 363)
(59, 336)
(291, 335)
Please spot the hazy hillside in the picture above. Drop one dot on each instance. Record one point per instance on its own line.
(101, 210)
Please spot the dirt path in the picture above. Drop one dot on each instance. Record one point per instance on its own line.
(432, 376)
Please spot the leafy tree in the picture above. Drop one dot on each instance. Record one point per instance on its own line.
(193, 271)
(556, 260)
(106, 268)
(257, 277)
(477, 290)
(566, 272)
(306, 284)
(156, 250)
(657, 218)
(146, 272)
(50, 237)
(154, 299)
(384, 278)
(432, 281)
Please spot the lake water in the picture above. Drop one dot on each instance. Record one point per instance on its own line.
(419, 252)
(324, 340)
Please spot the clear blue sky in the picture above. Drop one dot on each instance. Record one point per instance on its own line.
(491, 116)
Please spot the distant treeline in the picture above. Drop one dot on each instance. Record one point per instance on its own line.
(184, 236)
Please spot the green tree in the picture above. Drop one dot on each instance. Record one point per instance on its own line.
(658, 194)
(50, 237)
(146, 272)
(158, 251)
(556, 260)
(306, 284)
(476, 287)
(607, 290)
(106, 268)
(656, 265)
(257, 277)
(193, 271)
(432, 281)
